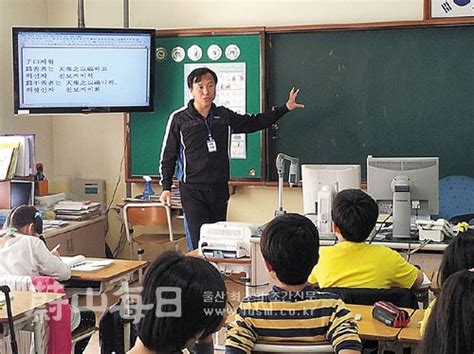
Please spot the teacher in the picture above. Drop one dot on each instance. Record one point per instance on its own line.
(197, 139)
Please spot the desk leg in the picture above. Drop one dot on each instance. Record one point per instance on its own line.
(40, 332)
(126, 311)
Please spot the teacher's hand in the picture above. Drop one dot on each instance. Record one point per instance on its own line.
(165, 198)
(291, 104)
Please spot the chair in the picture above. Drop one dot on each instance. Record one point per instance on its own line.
(55, 333)
(25, 338)
(401, 297)
(54, 336)
(60, 336)
(80, 334)
(292, 348)
(456, 198)
(112, 330)
(147, 214)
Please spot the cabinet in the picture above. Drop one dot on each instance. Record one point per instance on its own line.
(79, 237)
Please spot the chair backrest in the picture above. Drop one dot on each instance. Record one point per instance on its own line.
(112, 330)
(17, 282)
(146, 214)
(400, 297)
(292, 348)
(456, 198)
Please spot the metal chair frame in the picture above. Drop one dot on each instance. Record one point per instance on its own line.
(145, 214)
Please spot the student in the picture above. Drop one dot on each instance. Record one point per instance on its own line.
(37, 226)
(451, 326)
(22, 252)
(459, 255)
(293, 310)
(352, 263)
(197, 140)
(187, 299)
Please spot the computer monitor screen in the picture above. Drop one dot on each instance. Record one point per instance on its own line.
(83, 70)
(22, 193)
(404, 186)
(314, 177)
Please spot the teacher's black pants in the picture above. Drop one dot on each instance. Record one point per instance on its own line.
(203, 203)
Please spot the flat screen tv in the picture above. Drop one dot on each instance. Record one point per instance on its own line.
(83, 70)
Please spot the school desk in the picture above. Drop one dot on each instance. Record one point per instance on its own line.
(411, 333)
(27, 310)
(117, 274)
(229, 266)
(370, 328)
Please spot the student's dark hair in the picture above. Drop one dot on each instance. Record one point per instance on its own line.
(450, 328)
(197, 74)
(290, 244)
(195, 289)
(355, 213)
(457, 256)
(24, 215)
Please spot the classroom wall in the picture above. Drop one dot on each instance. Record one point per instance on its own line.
(22, 13)
(92, 146)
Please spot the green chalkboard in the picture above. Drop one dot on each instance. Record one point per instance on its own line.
(384, 92)
(146, 130)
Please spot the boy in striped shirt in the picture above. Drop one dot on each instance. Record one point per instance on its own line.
(293, 312)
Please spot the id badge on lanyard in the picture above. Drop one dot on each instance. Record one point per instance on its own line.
(211, 143)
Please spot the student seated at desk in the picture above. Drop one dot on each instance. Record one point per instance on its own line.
(188, 301)
(352, 263)
(22, 252)
(293, 310)
(459, 255)
(451, 326)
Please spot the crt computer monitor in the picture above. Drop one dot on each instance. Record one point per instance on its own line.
(314, 177)
(404, 186)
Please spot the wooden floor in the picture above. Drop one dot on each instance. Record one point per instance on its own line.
(235, 294)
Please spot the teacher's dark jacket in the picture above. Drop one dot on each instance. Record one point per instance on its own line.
(185, 142)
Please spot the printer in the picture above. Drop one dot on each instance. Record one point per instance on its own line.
(226, 239)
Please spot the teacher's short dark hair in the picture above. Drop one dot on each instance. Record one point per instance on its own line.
(197, 74)
(203, 301)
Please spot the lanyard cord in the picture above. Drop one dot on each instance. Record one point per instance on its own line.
(208, 124)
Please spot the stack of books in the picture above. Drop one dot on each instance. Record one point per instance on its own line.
(175, 196)
(73, 210)
(53, 224)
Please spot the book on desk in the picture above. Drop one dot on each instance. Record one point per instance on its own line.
(81, 264)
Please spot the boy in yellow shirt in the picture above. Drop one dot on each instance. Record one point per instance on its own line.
(352, 263)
